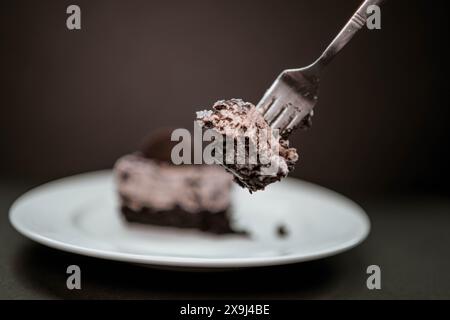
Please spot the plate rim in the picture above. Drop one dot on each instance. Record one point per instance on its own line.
(188, 262)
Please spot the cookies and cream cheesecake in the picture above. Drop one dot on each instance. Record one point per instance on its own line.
(154, 191)
(258, 156)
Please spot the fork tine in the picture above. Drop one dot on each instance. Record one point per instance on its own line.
(274, 111)
(284, 118)
(269, 98)
(265, 103)
(288, 101)
(294, 122)
(297, 120)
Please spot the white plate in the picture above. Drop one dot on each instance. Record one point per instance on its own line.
(80, 214)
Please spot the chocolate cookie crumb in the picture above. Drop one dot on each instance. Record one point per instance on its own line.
(282, 232)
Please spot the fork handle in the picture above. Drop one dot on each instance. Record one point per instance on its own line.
(356, 22)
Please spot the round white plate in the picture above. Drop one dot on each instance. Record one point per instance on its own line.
(80, 214)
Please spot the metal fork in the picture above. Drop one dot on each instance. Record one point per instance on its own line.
(290, 100)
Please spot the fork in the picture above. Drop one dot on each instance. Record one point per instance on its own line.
(290, 100)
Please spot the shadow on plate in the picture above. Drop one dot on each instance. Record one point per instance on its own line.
(44, 269)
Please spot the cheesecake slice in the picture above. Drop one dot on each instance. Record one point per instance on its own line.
(154, 191)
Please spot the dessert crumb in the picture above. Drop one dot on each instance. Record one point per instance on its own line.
(282, 232)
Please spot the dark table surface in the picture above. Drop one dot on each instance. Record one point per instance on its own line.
(409, 240)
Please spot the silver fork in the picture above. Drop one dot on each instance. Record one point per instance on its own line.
(290, 100)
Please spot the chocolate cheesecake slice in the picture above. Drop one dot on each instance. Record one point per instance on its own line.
(258, 156)
(154, 191)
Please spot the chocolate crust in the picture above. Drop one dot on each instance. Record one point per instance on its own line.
(217, 222)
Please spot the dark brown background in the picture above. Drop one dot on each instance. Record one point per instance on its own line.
(73, 101)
